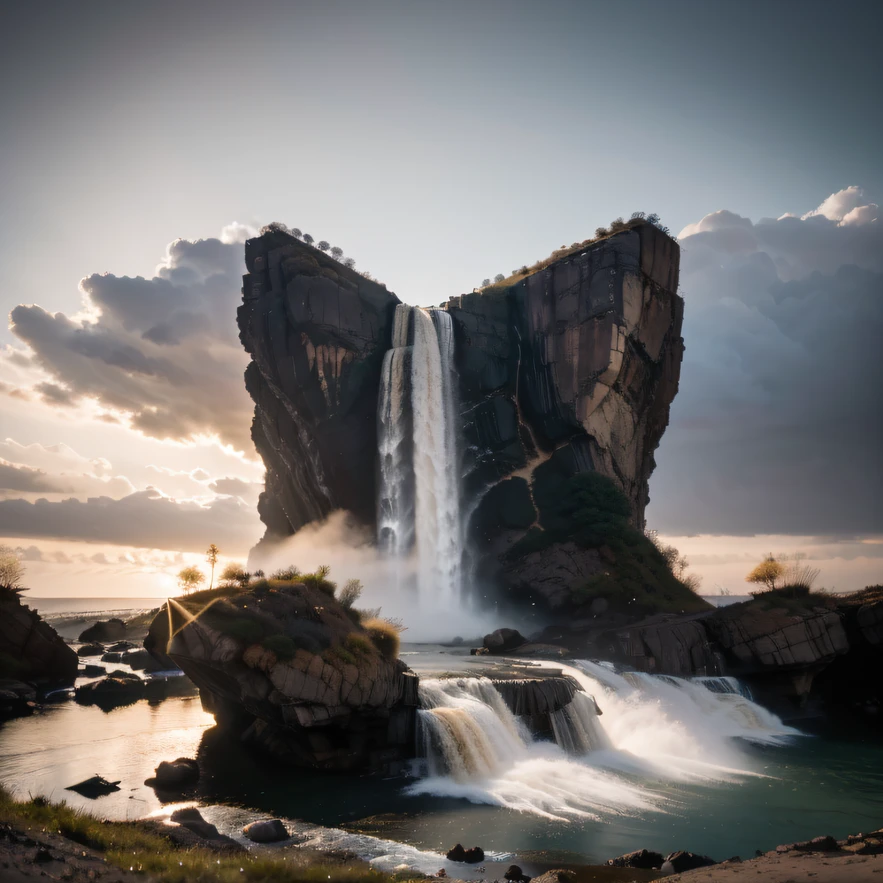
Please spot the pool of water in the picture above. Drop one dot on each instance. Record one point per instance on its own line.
(830, 782)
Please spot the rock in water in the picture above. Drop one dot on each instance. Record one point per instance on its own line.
(641, 858)
(176, 774)
(503, 640)
(30, 648)
(472, 856)
(106, 631)
(94, 787)
(286, 667)
(266, 831)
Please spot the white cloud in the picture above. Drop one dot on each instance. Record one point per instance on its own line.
(778, 424)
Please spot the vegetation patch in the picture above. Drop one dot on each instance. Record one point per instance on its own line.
(128, 846)
(281, 645)
(384, 636)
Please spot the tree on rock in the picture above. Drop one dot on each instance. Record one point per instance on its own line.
(211, 556)
(296, 233)
(337, 252)
(349, 263)
(308, 239)
(767, 573)
(485, 283)
(323, 245)
(235, 574)
(12, 571)
(189, 578)
(499, 277)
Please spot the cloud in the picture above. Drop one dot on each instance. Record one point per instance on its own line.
(145, 519)
(778, 424)
(23, 470)
(164, 351)
(236, 487)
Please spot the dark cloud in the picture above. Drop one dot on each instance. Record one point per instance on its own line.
(778, 425)
(14, 477)
(164, 350)
(145, 518)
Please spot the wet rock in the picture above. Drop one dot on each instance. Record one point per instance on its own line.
(818, 844)
(479, 651)
(641, 858)
(120, 647)
(679, 862)
(514, 874)
(94, 787)
(90, 650)
(112, 657)
(16, 698)
(534, 697)
(140, 660)
(191, 819)
(266, 831)
(104, 632)
(94, 671)
(472, 856)
(503, 640)
(176, 774)
(118, 688)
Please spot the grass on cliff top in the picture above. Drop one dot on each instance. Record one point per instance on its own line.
(129, 846)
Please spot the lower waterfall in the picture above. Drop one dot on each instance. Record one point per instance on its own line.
(418, 507)
(662, 729)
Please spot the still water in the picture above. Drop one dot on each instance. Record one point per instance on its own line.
(751, 794)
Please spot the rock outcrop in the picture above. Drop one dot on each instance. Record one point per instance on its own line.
(286, 667)
(568, 369)
(317, 333)
(30, 649)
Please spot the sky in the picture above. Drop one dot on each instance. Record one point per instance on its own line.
(437, 144)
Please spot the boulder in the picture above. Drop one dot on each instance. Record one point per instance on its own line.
(679, 862)
(94, 671)
(286, 668)
(190, 818)
(472, 856)
(94, 787)
(266, 831)
(176, 774)
(90, 650)
(140, 660)
(112, 657)
(120, 646)
(104, 632)
(118, 688)
(641, 858)
(31, 649)
(16, 698)
(514, 874)
(503, 640)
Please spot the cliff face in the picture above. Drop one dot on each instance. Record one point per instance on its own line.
(316, 332)
(568, 370)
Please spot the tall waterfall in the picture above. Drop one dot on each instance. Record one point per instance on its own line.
(663, 729)
(419, 496)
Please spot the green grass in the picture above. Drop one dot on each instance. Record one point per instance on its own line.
(127, 845)
(281, 645)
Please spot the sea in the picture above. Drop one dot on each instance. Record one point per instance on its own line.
(674, 764)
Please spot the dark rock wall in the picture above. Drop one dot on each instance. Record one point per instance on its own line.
(317, 333)
(573, 368)
(31, 647)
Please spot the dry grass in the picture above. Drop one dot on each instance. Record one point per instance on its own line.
(384, 635)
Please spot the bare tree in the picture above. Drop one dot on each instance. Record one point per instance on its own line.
(12, 570)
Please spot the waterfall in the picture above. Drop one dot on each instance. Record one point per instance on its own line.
(654, 728)
(419, 494)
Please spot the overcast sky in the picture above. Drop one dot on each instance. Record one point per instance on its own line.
(437, 144)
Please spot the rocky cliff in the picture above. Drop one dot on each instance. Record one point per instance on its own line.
(566, 370)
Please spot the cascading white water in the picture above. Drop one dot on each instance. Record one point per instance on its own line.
(660, 728)
(418, 396)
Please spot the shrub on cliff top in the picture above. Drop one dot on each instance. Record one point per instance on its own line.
(385, 637)
(281, 645)
(319, 580)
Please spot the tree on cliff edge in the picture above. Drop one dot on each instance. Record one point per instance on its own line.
(189, 578)
(12, 571)
(767, 573)
(211, 556)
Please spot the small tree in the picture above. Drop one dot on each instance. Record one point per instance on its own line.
(349, 263)
(323, 245)
(308, 239)
(499, 277)
(601, 232)
(350, 593)
(337, 252)
(290, 573)
(235, 574)
(767, 573)
(12, 570)
(211, 556)
(485, 283)
(296, 233)
(189, 578)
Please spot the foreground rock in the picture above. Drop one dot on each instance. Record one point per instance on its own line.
(678, 862)
(29, 648)
(16, 698)
(287, 668)
(642, 858)
(94, 787)
(266, 831)
(503, 640)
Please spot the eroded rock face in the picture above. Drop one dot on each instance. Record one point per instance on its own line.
(312, 689)
(317, 333)
(571, 369)
(30, 646)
